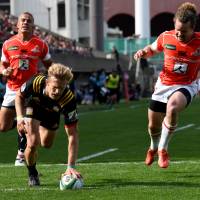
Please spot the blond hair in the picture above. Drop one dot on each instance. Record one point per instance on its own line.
(60, 71)
(187, 12)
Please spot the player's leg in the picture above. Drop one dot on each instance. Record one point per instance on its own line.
(48, 126)
(7, 122)
(7, 112)
(154, 128)
(20, 160)
(156, 114)
(7, 116)
(33, 141)
(47, 137)
(177, 102)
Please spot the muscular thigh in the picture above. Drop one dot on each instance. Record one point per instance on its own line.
(46, 136)
(7, 116)
(155, 119)
(32, 128)
(178, 100)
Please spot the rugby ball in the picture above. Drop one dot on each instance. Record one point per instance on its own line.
(70, 182)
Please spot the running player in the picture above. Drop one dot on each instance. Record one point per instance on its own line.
(177, 84)
(20, 56)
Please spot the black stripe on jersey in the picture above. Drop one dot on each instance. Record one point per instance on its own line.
(37, 83)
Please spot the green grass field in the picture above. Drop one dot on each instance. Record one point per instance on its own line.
(112, 149)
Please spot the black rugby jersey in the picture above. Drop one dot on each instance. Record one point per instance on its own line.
(33, 91)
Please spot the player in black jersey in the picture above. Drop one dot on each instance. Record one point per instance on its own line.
(39, 104)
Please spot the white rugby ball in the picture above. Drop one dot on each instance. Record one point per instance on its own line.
(70, 182)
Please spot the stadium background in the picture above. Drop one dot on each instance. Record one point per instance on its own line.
(121, 132)
(84, 33)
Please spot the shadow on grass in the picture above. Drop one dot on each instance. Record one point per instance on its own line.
(124, 183)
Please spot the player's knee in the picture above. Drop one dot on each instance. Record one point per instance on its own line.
(46, 144)
(153, 130)
(31, 148)
(172, 110)
(4, 127)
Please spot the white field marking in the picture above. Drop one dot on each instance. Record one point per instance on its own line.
(96, 154)
(78, 160)
(184, 127)
(11, 165)
(86, 164)
(109, 110)
(198, 128)
(135, 106)
(96, 111)
(36, 189)
(28, 189)
(106, 110)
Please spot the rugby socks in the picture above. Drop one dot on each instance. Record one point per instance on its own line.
(154, 141)
(155, 138)
(14, 124)
(21, 142)
(32, 170)
(166, 134)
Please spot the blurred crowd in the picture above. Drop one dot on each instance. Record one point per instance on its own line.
(57, 43)
(106, 88)
(97, 88)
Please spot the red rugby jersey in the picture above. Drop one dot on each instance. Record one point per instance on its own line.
(181, 60)
(23, 57)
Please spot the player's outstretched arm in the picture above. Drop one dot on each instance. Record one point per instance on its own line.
(73, 141)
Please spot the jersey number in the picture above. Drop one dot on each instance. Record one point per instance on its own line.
(23, 64)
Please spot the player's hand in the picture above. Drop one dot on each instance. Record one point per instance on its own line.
(140, 54)
(21, 126)
(72, 171)
(7, 72)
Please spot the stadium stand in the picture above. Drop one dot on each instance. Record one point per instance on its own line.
(81, 58)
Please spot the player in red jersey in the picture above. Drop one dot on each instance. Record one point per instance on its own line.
(177, 82)
(19, 62)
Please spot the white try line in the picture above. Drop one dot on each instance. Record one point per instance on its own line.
(96, 154)
(184, 127)
(179, 162)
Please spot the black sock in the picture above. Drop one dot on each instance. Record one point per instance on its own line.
(14, 124)
(32, 170)
(21, 142)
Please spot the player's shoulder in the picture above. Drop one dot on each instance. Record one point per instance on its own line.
(38, 82)
(37, 39)
(197, 35)
(66, 97)
(67, 92)
(168, 33)
(39, 78)
(11, 39)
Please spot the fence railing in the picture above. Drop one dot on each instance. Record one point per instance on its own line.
(128, 46)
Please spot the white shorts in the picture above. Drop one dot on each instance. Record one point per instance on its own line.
(9, 98)
(163, 92)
